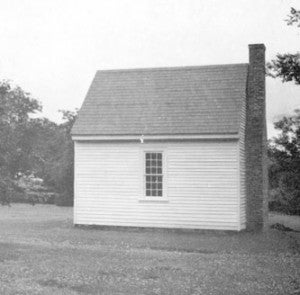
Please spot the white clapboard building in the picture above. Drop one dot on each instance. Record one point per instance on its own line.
(180, 147)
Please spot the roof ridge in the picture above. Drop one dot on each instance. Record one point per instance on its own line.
(176, 68)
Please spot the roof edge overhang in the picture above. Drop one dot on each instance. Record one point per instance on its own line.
(171, 68)
(159, 137)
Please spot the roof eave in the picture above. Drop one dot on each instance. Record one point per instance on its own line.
(143, 138)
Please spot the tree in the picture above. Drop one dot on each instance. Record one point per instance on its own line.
(284, 168)
(52, 154)
(60, 169)
(294, 17)
(284, 150)
(16, 106)
(41, 132)
(33, 147)
(287, 66)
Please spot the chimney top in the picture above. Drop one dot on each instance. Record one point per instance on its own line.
(257, 46)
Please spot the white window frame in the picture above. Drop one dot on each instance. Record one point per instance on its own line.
(143, 197)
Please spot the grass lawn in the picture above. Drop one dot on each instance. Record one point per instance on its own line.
(42, 253)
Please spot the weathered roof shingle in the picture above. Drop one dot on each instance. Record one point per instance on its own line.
(183, 100)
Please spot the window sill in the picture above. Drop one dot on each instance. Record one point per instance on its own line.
(153, 200)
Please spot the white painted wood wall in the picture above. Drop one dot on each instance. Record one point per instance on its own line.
(203, 189)
(242, 166)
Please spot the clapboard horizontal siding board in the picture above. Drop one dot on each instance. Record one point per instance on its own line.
(208, 226)
(132, 215)
(204, 204)
(155, 210)
(201, 185)
(163, 221)
(172, 204)
(160, 212)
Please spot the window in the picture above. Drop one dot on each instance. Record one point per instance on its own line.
(153, 174)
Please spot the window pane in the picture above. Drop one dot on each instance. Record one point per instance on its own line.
(153, 179)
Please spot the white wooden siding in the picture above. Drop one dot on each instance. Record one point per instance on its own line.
(202, 185)
(242, 167)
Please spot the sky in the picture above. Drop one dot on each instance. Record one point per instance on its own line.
(52, 49)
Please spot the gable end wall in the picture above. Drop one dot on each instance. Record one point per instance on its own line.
(202, 185)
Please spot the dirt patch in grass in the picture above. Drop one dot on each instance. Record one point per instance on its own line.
(52, 283)
(8, 252)
(289, 221)
(182, 250)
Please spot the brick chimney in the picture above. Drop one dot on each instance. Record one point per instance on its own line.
(256, 140)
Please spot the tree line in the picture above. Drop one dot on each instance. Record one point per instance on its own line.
(33, 149)
(284, 149)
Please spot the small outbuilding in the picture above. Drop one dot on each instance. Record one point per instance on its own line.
(181, 147)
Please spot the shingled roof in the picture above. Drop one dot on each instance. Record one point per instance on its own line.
(181, 100)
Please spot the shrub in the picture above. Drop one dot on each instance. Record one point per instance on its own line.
(64, 199)
(287, 202)
(39, 198)
(30, 189)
